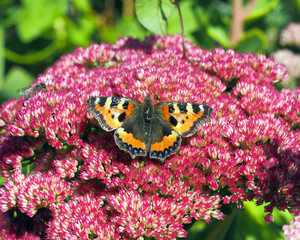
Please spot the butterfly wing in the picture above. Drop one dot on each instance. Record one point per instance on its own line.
(111, 112)
(184, 118)
(137, 134)
(130, 137)
(27, 92)
(165, 141)
(121, 114)
(21, 91)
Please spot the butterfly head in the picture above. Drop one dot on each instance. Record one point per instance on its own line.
(148, 100)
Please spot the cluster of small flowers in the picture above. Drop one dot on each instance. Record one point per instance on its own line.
(148, 215)
(32, 192)
(290, 60)
(249, 151)
(292, 231)
(291, 35)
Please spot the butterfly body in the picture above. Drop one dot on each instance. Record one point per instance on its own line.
(143, 128)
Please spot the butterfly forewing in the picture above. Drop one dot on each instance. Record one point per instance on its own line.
(185, 118)
(111, 112)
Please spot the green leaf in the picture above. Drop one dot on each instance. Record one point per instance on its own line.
(15, 79)
(127, 26)
(2, 180)
(2, 59)
(80, 33)
(248, 224)
(82, 5)
(153, 14)
(297, 3)
(262, 8)
(251, 221)
(216, 229)
(219, 34)
(36, 16)
(254, 40)
(190, 22)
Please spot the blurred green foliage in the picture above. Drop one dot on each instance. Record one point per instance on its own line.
(247, 224)
(35, 33)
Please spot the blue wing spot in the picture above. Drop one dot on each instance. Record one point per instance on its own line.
(125, 145)
(130, 147)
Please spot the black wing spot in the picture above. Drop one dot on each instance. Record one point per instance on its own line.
(173, 121)
(125, 105)
(114, 102)
(122, 117)
(182, 107)
(102, 102)
(171, 109)
(196, 108)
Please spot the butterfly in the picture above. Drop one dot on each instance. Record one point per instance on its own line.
(27, 92)
(143, 128)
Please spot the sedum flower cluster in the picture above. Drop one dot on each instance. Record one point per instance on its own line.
(292, 231)
(65, 178)
(290, 36)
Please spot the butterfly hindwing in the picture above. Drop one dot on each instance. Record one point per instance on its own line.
(130, 136)
(184, 118)
(164, 139)
(111, 112)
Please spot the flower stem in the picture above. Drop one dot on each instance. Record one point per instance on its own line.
(181, 25)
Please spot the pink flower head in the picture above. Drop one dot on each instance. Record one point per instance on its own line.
(291, 35)
(290, 60)
(249, 151)
(292, 231)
